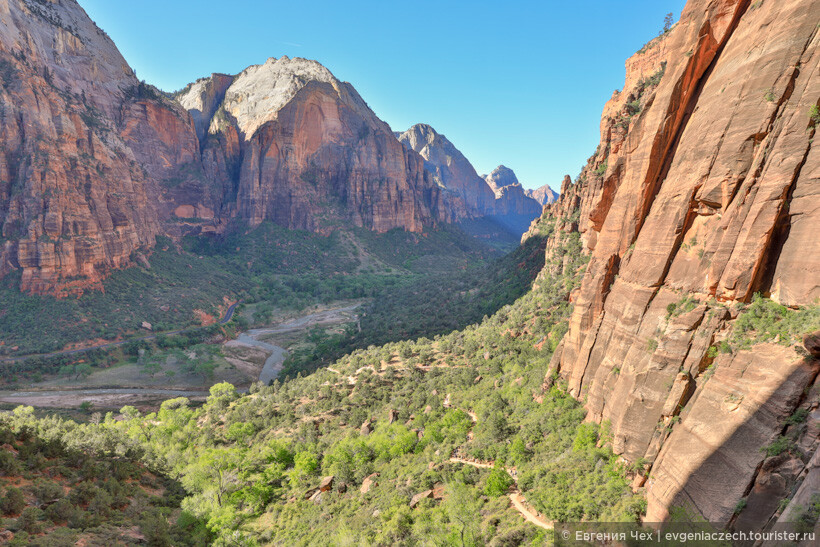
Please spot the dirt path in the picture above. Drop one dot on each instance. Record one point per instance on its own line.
(480, 465)
(520, 504)
(517, 499)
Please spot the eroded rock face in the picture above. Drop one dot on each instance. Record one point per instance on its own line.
(740, 409)
(542, 195)
(450, 169)
(95, 164)
(500, 177)
(513, 200)
(73, 200)
(202, 98)
(701, 194)
(304, 150)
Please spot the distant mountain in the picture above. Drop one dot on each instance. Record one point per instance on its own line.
(511, 197)
(301, 148)
(500, 195)
(500, 177)
(542, 195)
(94, 164)
(449, 167)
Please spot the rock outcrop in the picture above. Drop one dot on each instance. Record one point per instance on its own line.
(500, 177)
(512, 200)
(303, 149)
(511, 197)
(450, 169)
(543, 194)
(499, 194)
(702, 193)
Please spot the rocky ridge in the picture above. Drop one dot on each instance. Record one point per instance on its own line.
(500, 177)
(449, 167)
(94, 164)
(482, 196)
(543, 194)
(302, 149)
(700, 195)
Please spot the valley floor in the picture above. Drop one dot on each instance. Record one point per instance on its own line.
(252, 356)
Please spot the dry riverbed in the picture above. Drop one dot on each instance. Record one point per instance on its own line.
(254, 356)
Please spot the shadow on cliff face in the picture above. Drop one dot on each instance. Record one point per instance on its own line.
(742, 444)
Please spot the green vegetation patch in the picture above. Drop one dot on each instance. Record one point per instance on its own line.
(767, 321)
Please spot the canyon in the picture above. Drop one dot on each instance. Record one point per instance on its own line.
(95, 164)
(695, 218)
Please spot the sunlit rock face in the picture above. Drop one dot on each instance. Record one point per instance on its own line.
(74, 201)
(543, 194)
(450, 169)
(305, 151)
(95, 164)
(703, 192)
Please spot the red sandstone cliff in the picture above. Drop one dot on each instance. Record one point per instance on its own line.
(305, 151)
(95, 164)
(73, 199)
(704, 187)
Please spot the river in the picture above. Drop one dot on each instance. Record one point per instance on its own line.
(273, 363)
(115, 397)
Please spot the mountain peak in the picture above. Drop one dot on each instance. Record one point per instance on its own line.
(500, 177)
(257, 94)
(543, 195)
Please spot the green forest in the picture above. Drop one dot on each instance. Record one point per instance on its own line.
(291, 269)
(391, 418)
(412, 433)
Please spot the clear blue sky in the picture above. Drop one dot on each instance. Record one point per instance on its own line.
(521, 83)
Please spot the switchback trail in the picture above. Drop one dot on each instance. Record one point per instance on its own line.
(517, 499)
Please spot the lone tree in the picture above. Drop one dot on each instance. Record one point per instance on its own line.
(667, 23)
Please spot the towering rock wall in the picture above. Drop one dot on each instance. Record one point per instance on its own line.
(499, 194)
(94, 164)
(450, 169)
(74, 200)
(701, 194)
(304, 150)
